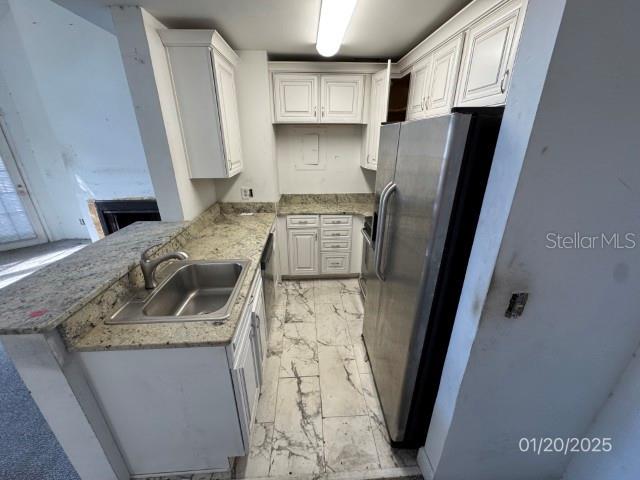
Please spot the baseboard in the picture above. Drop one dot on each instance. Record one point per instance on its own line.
(425, 464)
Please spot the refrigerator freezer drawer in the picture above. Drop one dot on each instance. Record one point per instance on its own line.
(334, 262)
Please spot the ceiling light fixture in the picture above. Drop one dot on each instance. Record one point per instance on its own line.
(335, 16)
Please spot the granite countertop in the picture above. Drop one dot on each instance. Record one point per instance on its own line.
(45, 299)
(227, 236)
(327, 204)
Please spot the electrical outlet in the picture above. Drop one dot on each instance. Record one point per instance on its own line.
(81, 220)
(246, 193)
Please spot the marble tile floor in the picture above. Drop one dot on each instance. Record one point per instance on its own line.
(319, 413)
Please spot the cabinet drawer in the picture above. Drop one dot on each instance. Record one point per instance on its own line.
(336, 233)
(336, 245)
(303, 221)
(335, 263)
(335, 220)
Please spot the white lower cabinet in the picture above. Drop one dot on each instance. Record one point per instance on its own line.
(325, 249)
(248, 350)
(335, 263)
(246, 377)
(303, 251)
(183, 409)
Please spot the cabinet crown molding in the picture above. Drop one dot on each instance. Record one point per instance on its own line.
(198, 38)
(326, 67)
(461, 21)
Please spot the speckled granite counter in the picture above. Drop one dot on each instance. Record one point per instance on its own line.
(77, 294)
(228, 236)
(41, 301)
(327, 204)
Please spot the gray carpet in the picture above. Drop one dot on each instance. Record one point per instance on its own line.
(29, 449)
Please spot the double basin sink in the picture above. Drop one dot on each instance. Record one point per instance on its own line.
(195, 291)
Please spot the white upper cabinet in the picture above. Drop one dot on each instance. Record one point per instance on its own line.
(295, 97)
(467, 62)
(202, 72)
(342, 97)
(433, 81)
(444, 74)
(420, 76)
(227, 102)
(317, 98)
(488, 58)
(378, 105)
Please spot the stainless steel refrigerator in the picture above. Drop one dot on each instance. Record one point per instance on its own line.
(430, 184)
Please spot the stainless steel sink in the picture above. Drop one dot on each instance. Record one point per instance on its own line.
(197, 290)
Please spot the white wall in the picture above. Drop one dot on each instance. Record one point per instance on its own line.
(79, 73)
(548, 372)
(149, 80)
(340, 145)
(619, 420)
(259, 171)
(35, 146)
(75, 70)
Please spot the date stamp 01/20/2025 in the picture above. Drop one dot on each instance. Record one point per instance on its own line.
(565, 446)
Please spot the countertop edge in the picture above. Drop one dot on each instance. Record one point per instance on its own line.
(223, 340)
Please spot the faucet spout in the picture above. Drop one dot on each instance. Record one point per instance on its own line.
(149, 266)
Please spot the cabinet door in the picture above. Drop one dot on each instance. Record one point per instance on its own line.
(259, 324)
(246, 381)
(488, 55)
(342, 98)
(193, 77)
(335, 263)
(420, 75)
(303, 252)
(228, 105)
(442, 85)
(295, 97)
(377, 114)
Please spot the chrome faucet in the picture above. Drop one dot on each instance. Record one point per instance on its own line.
(149, 266)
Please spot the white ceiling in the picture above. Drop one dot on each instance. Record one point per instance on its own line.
(379, 28)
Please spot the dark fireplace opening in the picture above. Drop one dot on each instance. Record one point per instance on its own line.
(117, 214)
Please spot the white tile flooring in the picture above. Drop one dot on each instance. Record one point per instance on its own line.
(318, 411)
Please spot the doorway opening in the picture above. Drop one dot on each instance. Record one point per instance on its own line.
(20, 225)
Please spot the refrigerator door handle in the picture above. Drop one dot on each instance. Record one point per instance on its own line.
(367, 238)
(382, 220)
